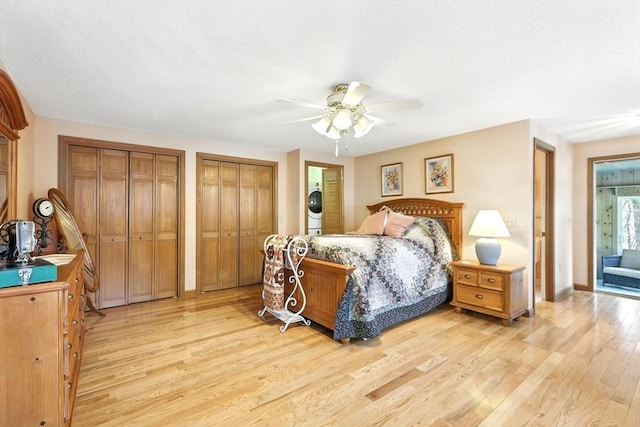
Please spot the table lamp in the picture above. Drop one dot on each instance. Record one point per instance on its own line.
(488, 225)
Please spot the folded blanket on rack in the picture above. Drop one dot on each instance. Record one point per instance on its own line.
(274, 265)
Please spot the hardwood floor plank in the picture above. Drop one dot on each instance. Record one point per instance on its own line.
(211, 360)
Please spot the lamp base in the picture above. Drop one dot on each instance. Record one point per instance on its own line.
(488, 251)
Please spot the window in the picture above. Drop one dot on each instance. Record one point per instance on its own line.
(628, 222)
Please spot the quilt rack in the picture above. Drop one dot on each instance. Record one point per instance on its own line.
(284, 252)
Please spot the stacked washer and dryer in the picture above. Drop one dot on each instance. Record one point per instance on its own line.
(314, 224)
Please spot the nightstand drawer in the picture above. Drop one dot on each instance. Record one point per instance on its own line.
(467, 277)
(480, 297)
(492, 281)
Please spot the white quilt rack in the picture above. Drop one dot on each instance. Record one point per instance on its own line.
(291, 313)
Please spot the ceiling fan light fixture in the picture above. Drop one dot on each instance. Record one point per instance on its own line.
(363, 126)
(343, 119)
(333, 133)
(322, 126)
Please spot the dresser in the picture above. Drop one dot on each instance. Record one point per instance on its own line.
(496, 290)
(41, 337)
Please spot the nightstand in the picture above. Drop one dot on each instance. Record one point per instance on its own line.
(496, 290)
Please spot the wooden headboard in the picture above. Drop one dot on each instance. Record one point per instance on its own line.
(451, 213)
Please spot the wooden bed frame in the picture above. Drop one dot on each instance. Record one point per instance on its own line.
(324, 282)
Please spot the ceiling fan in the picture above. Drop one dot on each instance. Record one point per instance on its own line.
(345, 111)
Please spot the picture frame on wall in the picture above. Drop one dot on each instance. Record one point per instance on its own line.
(391, 179)
(439, 174)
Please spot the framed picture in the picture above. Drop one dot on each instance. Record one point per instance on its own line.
(439, 174)
(391, 179)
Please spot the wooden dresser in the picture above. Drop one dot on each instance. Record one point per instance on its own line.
(496, 290)
(41, 337)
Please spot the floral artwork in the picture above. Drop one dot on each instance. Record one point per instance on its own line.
(392, 180)
(439, 174)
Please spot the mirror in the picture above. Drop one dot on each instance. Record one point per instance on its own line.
(12, 120)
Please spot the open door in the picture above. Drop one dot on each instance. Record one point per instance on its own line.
(543, 253)
(324, 215)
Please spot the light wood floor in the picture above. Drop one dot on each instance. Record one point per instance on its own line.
(211, 361)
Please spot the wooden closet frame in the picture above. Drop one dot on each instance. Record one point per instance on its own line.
(63, 144)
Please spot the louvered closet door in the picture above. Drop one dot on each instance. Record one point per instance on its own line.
(332, 201)
(114, 212)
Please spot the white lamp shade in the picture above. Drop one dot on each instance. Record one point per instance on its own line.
(488, 223)
(322, 126)
(363, 126)
(333, 133)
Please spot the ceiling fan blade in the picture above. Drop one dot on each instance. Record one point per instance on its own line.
(407, 104)
(306, 119)
(302, 104)
(379, 122)
(355, 93)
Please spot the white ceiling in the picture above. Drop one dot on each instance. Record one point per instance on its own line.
(214, 69)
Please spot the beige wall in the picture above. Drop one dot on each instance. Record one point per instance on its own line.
(493, 169)
(563, 207)
(581, 154)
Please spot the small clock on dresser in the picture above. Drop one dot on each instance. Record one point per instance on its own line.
(43, 208)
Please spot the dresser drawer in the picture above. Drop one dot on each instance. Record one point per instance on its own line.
(480, 297)
(467, 276)
(492, 281)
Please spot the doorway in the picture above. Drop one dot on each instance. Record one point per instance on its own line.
(324, 198)
(613, 211)
(544, 208)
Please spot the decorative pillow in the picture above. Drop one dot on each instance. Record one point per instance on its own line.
(374, 224)
(397, 223)
(630, 259)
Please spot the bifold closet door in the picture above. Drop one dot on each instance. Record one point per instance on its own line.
(228, 205)
(209, 217)
(218, 225)
(235, 215)
(153, 227)
(127, 204)
(113, 236)
(166, 226)
(141, 250)
(256, 219)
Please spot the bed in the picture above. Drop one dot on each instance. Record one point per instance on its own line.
(334, 297)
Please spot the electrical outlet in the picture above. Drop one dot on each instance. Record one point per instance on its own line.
(510, 221)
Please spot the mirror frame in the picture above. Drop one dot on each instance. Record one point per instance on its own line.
(12, 120)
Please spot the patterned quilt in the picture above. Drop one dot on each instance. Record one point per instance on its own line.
(396, 278)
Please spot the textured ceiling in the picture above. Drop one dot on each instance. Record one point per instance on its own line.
(214, 70)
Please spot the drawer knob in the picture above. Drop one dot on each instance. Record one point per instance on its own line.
(75, 321)
(467, 276)
(75, 355)
(491, 280)
(479, 296)
(70, 296)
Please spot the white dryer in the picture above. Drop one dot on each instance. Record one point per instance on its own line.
(314, 209)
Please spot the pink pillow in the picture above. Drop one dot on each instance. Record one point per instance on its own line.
(374, 224)
(397, 223)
